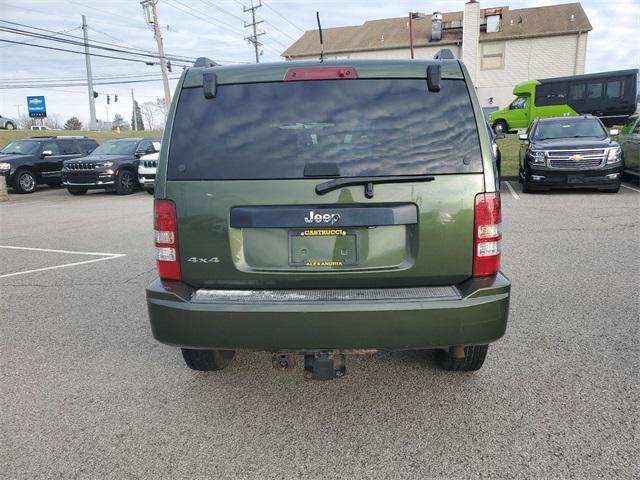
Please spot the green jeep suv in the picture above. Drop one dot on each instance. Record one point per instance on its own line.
(322, 209)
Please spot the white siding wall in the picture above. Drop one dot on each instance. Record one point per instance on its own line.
(531, 58)
(391, 54)
(524, 59)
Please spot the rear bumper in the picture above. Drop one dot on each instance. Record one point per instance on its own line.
(596, 178)
(476, 315)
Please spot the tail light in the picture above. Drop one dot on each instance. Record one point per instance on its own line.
(166, 232)
(487, 235)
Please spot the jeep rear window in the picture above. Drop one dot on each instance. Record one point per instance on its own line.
(364, 127)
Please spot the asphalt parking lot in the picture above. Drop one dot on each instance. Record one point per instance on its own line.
(86, 392)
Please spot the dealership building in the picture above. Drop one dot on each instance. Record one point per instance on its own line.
(501, 47)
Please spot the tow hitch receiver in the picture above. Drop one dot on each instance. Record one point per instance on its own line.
(324, 366)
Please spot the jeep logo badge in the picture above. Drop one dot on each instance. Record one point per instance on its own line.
(329, 218)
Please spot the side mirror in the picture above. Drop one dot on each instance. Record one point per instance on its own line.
(499, 136)
(614, 131)
(47, 153)
(523, 136)
(138, 154)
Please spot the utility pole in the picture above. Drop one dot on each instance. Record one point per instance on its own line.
(18, 107)
(149, 8)
(253, 39)
(87, 59)
(135, 111)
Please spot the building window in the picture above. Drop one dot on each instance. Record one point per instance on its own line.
(492, 56)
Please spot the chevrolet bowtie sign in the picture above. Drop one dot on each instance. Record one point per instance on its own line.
(37, 107)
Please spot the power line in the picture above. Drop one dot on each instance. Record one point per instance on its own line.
(199, 15)
(283, 17)
(76, 79)
(17, 31)
(54, 33)
(11, 86)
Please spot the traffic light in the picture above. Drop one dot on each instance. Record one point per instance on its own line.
(169, 65)
(108, 100)
(95, 94)
(115, 98)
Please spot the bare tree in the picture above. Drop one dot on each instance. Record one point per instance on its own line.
(149, 111)
(53, 121)
(154, 114)
(25, 122)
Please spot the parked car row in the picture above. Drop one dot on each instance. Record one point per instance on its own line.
(76, 162)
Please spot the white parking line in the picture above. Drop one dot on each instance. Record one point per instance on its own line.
(630, 188)
(104, 256)
(512, 190)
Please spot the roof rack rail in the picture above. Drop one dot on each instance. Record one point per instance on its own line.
(444, 54)
(205, 62)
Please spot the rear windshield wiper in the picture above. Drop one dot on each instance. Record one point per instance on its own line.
(368, 182)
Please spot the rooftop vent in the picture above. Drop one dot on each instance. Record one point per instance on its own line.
(436, 27)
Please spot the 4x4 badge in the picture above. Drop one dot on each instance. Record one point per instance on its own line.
(203, 260)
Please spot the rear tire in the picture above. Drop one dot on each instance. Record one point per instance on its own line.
(10, 126)
(207, 360)
(474, 356)
(126, 183)
(525, 187)
(77, 191)
(500, 126)
(25, 181)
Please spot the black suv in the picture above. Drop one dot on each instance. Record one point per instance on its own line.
(569, 152)
(38, 160)
(111, 166)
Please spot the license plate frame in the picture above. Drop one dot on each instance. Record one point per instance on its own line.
(322, 238)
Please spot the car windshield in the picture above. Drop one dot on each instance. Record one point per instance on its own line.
(353, 128)
(120, 147)
(25, 147)
(570, 128)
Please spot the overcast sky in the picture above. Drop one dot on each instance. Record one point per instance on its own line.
(196, 28)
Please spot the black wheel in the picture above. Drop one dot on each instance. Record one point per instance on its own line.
(525, 186)
(500, 126)
(520, 176)
(24, 181)
(77, 191)
(126, 183)
(474, 356)
(205, 360)
(10, 126)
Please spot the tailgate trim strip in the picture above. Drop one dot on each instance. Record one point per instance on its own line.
(318, 216)
(349, 295)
